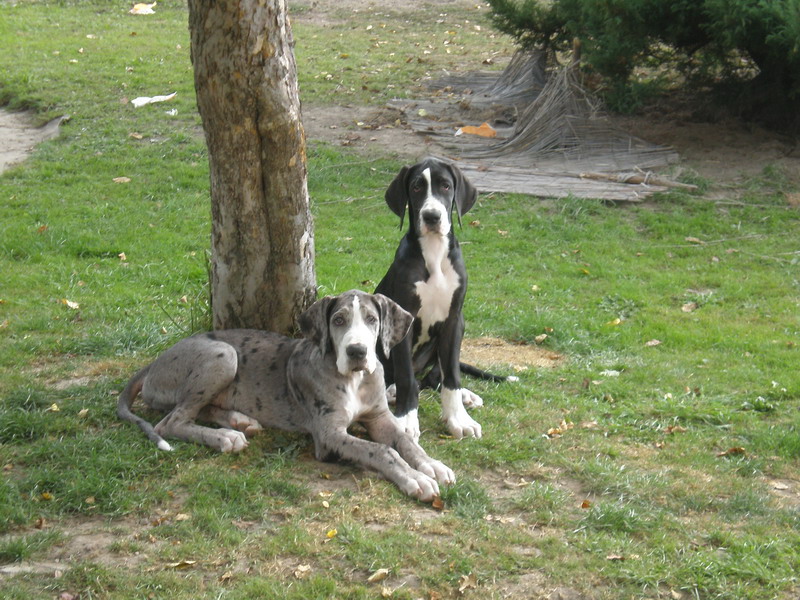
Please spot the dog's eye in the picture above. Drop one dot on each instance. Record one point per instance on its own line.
(416, 189)
(371, 319)
(446, 187)
(338, 321)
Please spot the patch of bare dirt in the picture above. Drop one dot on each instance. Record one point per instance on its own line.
(492, 352)
(19, 135)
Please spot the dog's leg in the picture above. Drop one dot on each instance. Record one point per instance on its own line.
(455, 416)
(406, 388)
(378, 457)
(385, 429)
(190, 376)
(433, 380)
(230, 419)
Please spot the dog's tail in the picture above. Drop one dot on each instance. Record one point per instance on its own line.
(124, 402)
(473, 371)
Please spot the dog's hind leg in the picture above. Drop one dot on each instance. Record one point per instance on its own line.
(230, 419)
(188, 377)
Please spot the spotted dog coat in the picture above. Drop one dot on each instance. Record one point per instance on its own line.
(429, 280)
(244, 379)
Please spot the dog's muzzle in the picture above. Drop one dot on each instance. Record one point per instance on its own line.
(357, 357)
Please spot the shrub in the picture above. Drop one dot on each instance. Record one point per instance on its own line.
(754, 44)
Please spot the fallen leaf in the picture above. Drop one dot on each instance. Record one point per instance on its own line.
(694, 240)
(135, 135)
(438, 503)
(122, 256)
(674, 429)
(182, 517)
(615, 557)
(614, 322)
(121, 180)
(777, 485)
(502, 232)
(467, 582)
(689, 307)
(82, 413)
(40, 523)
(181, 564)
(735, 451)
(90, 500)
(651, 343)
(378, 575)
(302, 571)
(46, 496)
(540, 338)
(183, 300)
(483, 130)
(42, 229)
(586, 504)
(331, 534)
(588, 425)
(386, 592)
(70, 304)
(52, 408)
(226, 576)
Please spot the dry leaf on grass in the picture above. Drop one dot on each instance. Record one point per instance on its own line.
(689, 307)
(302, 571)
(467, 582)
(735, 451)
(378, 575)
(181, 564)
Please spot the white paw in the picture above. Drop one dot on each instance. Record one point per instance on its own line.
(410, 424)
(391, 395)
(231, 441)
(455, 416)
(470, 399)
(461, 425)
(438, 471)
(422, 487)
(247, 425)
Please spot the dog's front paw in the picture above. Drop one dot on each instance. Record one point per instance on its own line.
(422, 487)
(439, 471)
(458, 422)
(470, 399)
(231, 441)
(409, 423)
(462, 425)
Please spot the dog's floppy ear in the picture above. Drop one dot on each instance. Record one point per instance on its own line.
(314, 322)
(397, 194)
(465, 192)
(395, 322)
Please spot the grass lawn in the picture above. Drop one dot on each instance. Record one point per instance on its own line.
(660, 460)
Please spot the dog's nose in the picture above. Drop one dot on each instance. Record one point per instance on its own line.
(431, 217)
(356, 351)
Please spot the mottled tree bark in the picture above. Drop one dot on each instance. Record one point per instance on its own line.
(262, 239)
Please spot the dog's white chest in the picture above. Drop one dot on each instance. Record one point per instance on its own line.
(435, 294)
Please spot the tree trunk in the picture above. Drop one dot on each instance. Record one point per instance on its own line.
(262, 238)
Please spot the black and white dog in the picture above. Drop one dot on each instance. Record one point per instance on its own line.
(429, 280)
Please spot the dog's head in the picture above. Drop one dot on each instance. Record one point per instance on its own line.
(431, 190)
(350, 325)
